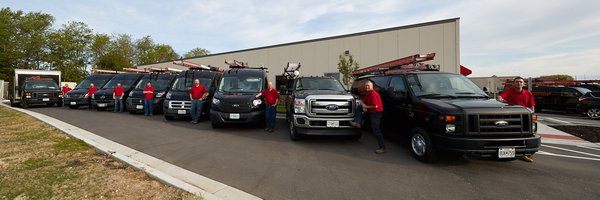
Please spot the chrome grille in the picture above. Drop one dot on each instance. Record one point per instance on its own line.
(181, 105)
(330, 107)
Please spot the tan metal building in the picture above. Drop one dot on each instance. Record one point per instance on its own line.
(493, 84)
(321, 56)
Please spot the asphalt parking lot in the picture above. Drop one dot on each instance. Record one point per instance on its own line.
(271, 166)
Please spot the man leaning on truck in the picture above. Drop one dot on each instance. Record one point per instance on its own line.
(91, 90)
(197, 94)
(519, 96)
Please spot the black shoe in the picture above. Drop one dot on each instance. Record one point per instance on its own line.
(355, 125)
(380, 151)
(194, 122)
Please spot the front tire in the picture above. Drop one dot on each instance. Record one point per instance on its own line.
(294, 135)
(421, 145)
(593, 113)
(216, 124)
(24, 105)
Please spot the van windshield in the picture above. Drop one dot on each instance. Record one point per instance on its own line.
(158, 84)
(248, 84)
(443, 85)
(125, 82)
(180, 83)
(41, 85)
(86, 82)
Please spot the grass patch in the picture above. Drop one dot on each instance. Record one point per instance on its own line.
(38, 161)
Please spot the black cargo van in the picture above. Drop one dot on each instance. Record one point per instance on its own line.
(557, 98)
(234, 101)
(103, 98)
(161, 83)
(177, 103)
(78, 96)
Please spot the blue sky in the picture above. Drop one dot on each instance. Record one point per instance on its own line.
(527, 38)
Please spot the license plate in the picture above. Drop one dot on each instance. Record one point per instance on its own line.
(506, 152)
(234, 116)
(46, 99)
(139, 107)
(102, 105)
(73, 103)
(333, 123)
(181, 112)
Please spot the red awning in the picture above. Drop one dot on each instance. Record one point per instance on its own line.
(465, 71)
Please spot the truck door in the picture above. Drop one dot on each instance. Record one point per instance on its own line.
(396, 105)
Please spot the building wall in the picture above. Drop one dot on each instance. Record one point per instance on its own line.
(369, 48)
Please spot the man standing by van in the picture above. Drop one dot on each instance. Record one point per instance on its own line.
(65, 89)
(519, 96)
(271, 98)
(373, 105)
(118, 97)
(91, 90)
(197, 94)
(148, 98)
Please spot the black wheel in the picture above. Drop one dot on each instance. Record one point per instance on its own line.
(73, 107)
(24, 104)
(294, 135)
(167, 117)
(421, 145)
(593, 113)
(216, 124)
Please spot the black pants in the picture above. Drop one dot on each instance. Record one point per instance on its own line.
(375, 118)
(89, 102)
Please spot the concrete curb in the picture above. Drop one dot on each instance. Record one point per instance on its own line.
(554, 136)
(161, 170)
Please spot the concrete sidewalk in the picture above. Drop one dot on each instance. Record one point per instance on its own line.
(159, 169)
(554, 136)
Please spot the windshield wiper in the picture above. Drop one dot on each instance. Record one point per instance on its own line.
(437, 95)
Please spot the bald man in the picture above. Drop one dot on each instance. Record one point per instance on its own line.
(271, 96)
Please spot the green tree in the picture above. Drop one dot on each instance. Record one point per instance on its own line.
(346, 65)
(70, 50)
(561, 77)
(196, 52)
(164, 52)
(99, 48)
(144, 51)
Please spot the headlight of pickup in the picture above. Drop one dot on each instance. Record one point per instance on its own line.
(216, 101)
(256, 103)
(299, 106)
(159, 94)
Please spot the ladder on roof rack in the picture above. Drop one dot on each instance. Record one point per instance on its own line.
(239, 64)
(409, 63)
(196, 66)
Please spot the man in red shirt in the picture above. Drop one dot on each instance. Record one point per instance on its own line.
(65, 89)
(91, 90)
(372, 104)
(271, 96)
(148, 98)
(197, 94)
(519, 96)
(118, 97)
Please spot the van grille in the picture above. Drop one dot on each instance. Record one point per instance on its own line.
(181, 105)
(499, 124)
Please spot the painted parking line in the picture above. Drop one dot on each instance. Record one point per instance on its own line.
(570, 150)
(563, 137)
(590, 148)
(566, 156)
(555, 120)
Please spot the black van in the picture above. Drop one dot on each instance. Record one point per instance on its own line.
(235, 102)
(557, 98)
(593, 87)
(177, 103)
(78, 96)
(161, 83)
(103, 98)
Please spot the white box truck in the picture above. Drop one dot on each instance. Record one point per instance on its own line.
(32, 87)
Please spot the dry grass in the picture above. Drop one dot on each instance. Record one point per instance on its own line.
(38, 161)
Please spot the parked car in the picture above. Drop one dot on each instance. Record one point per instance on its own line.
(234, 101)
(103, 98)
(557, 98)
(161, 83)
(78, 96)
(36, 87)
(441, 111)
(589, 105)
(177, 103)
(317, 106)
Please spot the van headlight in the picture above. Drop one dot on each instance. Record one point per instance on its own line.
(94, 96)
(299, 106)
(169, 94)
(85, 95)
(160, 94)
(450, 128)
(130, 93)
(256, 103)
(216, 101)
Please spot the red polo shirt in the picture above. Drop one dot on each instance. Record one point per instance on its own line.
(523, 98)
(91, 91)
(119, 91)
(271, 96)
(372, 98)
(148, 96)
(197, 91)
(65, 89)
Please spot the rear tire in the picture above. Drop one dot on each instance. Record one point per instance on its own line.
(593, 113)
(421, 145)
